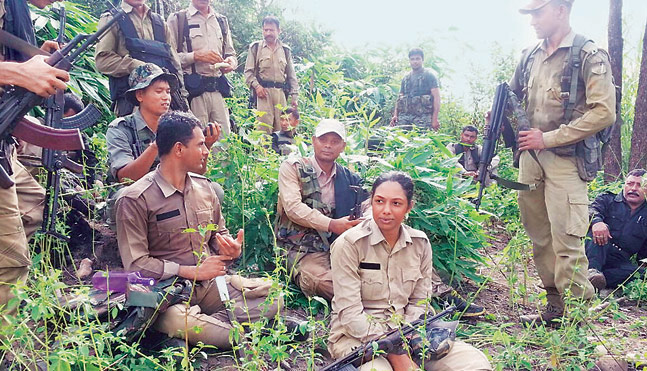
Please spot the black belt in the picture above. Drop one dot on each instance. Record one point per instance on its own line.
(272, 84)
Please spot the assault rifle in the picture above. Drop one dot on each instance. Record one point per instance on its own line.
(17, 101)
(356, 211)
(506, 107)
(389, 342)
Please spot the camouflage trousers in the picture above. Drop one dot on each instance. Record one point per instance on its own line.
(408, 121)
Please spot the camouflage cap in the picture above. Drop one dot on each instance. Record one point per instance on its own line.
(143, 76)
(535, 5)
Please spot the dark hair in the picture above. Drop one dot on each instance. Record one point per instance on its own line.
(292, 111)
(72, 102)
(416, 51)
(272, 20)
(637, 172)
(471, 128)
(173, 127)
(403, 179)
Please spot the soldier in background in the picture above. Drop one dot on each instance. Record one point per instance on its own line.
(419, 100)
(470, 153)
(269, 73)
(138, 38)
(203, 42)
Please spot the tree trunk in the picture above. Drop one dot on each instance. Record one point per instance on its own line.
(638, 157)
(612, 150)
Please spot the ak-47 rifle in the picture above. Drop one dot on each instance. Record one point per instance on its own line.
(506, 107)
(17, 101)
(53, 160)
(389, 342)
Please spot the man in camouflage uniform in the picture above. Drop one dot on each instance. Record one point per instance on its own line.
(21, 205)
(269, 73)
(130, 140)
(419, 100)
(315, 199)
(138, 38)
(555, 214)
(470, 154)
(204, 43)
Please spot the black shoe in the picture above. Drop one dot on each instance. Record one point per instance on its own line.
(464, 308)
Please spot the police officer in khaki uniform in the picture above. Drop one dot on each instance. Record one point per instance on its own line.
(118, 58)
(130, 140)
(555, 215)
(269, 73)
(206, 53)
(419, 100)
(21, 205)
(152, 216)
(383, 268)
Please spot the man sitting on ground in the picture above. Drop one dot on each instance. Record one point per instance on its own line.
(618, 232)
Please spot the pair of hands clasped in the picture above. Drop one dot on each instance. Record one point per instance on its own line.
(216, 265)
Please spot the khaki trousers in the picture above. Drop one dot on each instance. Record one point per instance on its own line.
(207, 321)
(21, 214)
(312, 273)
(555, 216)
(210, 107)
(272, 114)
(462, 357)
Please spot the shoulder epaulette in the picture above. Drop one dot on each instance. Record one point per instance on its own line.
(115, 122)
(355, 234)
(198, 176)
(136, 189)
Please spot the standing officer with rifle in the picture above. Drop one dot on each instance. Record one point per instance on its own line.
(565, 82)
(140, 37)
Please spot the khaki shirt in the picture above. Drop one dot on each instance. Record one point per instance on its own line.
(112, 57)
(373, 282)
(290, 202)
(272, 66)
(152, 216)
(595, 105)
(120, 141)
(207, 36)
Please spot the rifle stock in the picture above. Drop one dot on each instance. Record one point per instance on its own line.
(387, 343)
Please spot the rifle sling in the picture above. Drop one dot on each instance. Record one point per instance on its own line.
(16, 43)
(510, 184)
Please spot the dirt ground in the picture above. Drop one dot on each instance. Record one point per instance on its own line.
(623, 339)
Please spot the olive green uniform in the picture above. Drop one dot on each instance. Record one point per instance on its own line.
(555, 215)
(415, 105)
(373, 282)
(274, 66)
(204, 33)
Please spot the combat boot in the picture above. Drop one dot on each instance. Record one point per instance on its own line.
(551, 316)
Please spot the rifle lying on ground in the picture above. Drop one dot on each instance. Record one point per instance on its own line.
(388, 343)
(17, 101)
(506, 107)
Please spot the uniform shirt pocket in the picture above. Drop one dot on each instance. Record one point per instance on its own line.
(205, 216)
(372, 285)
(578, 218)
(410, 276)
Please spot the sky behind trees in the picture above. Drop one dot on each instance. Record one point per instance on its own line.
(463, 31)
